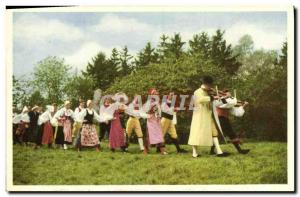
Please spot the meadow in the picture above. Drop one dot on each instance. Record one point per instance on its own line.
(265, 164)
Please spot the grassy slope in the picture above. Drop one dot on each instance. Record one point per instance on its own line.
(266, 163)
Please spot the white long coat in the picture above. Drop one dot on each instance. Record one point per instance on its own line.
(202, 120)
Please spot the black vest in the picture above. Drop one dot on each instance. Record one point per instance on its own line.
(88, 119)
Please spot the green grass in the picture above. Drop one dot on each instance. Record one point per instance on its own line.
(265, 164)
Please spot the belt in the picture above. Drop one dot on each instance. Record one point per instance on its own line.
(168, 116)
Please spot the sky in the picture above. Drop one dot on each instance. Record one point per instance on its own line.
(77, 37)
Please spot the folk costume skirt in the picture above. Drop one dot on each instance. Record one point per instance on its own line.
(89, 136)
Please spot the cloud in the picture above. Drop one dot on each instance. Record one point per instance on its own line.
(80, 58)
(262, 37)
(35, 28)
(116, 24)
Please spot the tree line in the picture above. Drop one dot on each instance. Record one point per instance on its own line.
(259, 76)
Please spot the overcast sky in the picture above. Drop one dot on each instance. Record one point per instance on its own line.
(78, 37)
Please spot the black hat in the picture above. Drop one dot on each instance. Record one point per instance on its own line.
(207, 80)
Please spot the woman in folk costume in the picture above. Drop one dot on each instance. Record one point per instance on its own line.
(117, 128)
(88, 134)
(65, 116)
(24, 125)
(77, 124)
(16, 127)
(33, 126)
(155, 134)
(104, 126)
(168, 120)
(48, 129)
(204, 127)
(231, 107)
(133, 123)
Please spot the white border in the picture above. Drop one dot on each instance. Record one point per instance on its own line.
(190, 8)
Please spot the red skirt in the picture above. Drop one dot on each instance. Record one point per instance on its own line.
(47, 134)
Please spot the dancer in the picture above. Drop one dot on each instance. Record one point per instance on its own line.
(65, 116)
(48, 129)
(24, 125)
(88, 133)
(168, 115)
(133, 123)
(224, 111)
(204, 124)
(104, 126)
(33, 126)
(155, 135)
(77, 124)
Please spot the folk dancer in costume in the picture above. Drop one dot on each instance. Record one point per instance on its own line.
(168, 121)
(133, 123)
(24, 125)
(33, 126)
(224, 111)
(16, 127)
(117, 129)
(65, 116)
(154, 130)
(104, 126)
(204, 121)
(48, 129)
(77, 124)
(39, 136)
(88, 133)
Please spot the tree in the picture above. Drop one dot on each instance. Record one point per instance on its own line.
(50, 78)
(222, 54)
(283, 56)
(80, 87)
(244, 47)
(174, 48)
(20, 96)
(162, 48)
(146, 56)
(200, 45)
(36, 99)
(101, 70)
(125, 64)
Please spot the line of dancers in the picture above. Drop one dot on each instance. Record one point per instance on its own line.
(117, 120)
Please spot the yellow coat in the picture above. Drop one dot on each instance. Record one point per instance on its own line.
(202, 126)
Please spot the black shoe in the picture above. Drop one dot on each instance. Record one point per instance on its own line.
(224, 154)
(182, 151)
(212, 151)
(244, 151)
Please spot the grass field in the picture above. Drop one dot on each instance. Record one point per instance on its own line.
(266, 163)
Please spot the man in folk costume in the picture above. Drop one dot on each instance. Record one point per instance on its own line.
(88, 133)
(154, 130)
(77, 124)
(168, 121)
(204, 127)
(231, 107)
(104, 126)
(33, 126)
(133, 123)
(65, 116)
